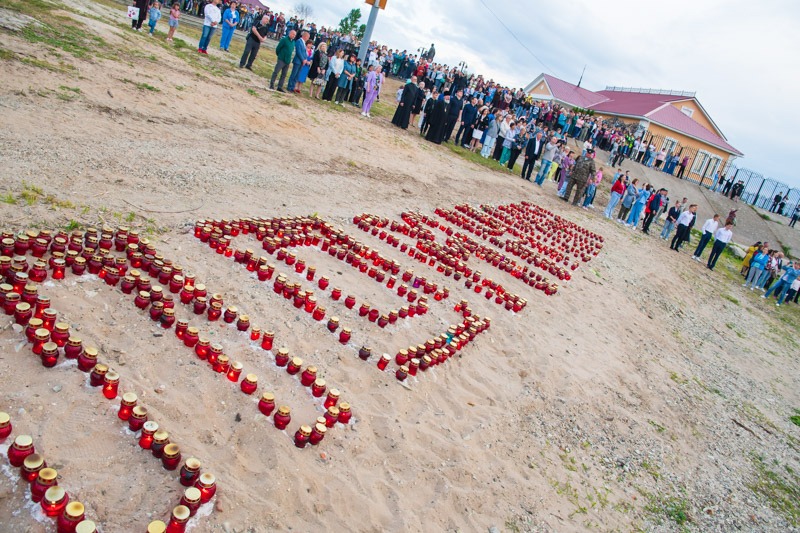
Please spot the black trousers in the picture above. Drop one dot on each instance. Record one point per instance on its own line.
(648, 219)
(498, 148)
(250, 52)
(716, 251)
(527, 168)
(681, 234)
(464, 134)
(513, 159)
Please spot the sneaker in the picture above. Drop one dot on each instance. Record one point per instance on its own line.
(281, 90)
(744, 284)
(249, 68)
(369, 116)
(763, 296)
(752, 288)
(777, 305)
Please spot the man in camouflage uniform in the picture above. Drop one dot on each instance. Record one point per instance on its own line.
(583, 171)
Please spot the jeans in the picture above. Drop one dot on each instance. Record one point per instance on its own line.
(781, 285)
(753, 276)
(152, 26)
(543, 171)
(208, 32)
(589, 194)
(702, 244)
(612, 203)
(636, 213)
(716, 251)
(281, 67)
(668, 227)
(488, 146)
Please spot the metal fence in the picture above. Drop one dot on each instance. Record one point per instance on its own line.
(710, 171)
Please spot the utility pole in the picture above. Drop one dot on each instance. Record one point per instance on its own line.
(377, 5)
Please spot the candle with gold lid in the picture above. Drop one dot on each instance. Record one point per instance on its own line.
(331, 416)
(138, 418)
(160, 441)
(40, 337)
(207, 484)
(171, 457)
(54, 502)
(177, 521)
(301, 437)
(332, 398)
(235, 371)
(86, 526)
(97, 377)
(68, 521)
(49, 354)
(46, 478)
(191, 499)
(267, 403)
(126, 405)
(5, 426)
(110, 384)
(317, 433)
(344, 335)
(156, 526)
(344, 413)
(249, 384)
(31, 466)
(294, 366)
(222, 364)
(73, 348)
(202, 348)
(88, 359)
(308, 376)
(190, 472)
(282, 417)
(267, 340)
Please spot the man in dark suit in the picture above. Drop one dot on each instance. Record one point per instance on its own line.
(533, 151)
(453, 114)
(300, 59)
(468, 116)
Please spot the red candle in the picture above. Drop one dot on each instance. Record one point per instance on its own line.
(208, 487)
(160, 441)
(308, 376)
(243, 324)
(55, 501)
(282, 417)
(31, 466)
(344, 335)
(350, 302)
(202, 348)
(331, 416)
(138, 418)
(413, 365)
(332, 398)
(126, 405)
(190, 472)
(177, 521)
(191, 337)
(318, 388)
(344, 413)
(333, 324)
(191, 499)
(86, 526)
(98, 375)
(401, 373)
(73, 348)
(255, 333)
(294, 366)
(110, 385)
(267, 339)
(49, 354)
(267, 403)
(301, 437)
(171, 457)
(68, 520)
(23, 312)
(249, 384)
(235, 371)
(319, 313)
(317, 433)
(88, 359)
(46, 478)
(384, 361)
(282, 357)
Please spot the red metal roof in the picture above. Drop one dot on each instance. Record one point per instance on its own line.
(628, 103)
(675, 119)
(572, 94)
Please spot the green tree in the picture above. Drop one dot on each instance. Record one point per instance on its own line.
(349, 24)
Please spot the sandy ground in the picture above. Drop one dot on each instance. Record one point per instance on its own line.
(640, 397)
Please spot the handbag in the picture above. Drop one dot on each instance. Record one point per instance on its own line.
(133, 12)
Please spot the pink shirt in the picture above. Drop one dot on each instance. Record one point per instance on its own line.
(598, 177)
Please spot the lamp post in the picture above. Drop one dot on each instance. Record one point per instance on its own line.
(462, 66)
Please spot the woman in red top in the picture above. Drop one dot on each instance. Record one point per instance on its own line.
(617, 190)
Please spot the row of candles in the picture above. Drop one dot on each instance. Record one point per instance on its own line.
(161, 309)
(47, 343)
(354, 255)
(445, 346)
(70, 515)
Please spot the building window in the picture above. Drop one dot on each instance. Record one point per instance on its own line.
(699, 162)
(705, 164)
(688, 111)
(669, 144)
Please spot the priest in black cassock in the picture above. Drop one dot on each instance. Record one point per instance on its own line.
(453, 114)
(436, 119)
(402, 114)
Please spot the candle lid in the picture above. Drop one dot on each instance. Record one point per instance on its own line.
(334, 393)
(129, 398)
(4, 418)
(236, 365)
(192, 494)
(284, 410)
(296, 361)
(33, 461)
(333, 410)
(243, 318)
(55, 494)
(139, 411)
(144, 294)
(171, 450)
(100, 368)
(344, 406)
(252, 378)
(156, 526)
(268, 397)
(86, 526)
(61, 326)
(320, 428)
(90, 352)
(207, 479)
(200, 287)
(193, 463)
(404, 369)
(232, 309)
(311, 369)
(48, 474)
(191, 330)
(334, 319)
(283, 352)
(74, 509)
(160, 435)
(150, 426)
(23, 307)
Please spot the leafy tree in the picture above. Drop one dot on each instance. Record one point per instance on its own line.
(360, 31)
(349, 24)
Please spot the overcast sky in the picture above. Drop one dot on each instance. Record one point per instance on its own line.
(741, 57)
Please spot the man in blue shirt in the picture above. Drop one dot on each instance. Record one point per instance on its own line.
(790, 274)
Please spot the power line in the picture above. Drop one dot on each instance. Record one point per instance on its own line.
(517, 38)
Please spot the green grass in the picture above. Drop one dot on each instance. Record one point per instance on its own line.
(781, 492)
(476, 158)
(765, 216)
(795, 418)
(75, 90)
(72, 225)
(731, 299)
(142, 86)
(673, 508)
(7, 54)
(8, 199)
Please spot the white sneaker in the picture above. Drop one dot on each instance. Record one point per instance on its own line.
(763, 296)
(369, 116)
(752, 288)
(777, 305)
(744, 284)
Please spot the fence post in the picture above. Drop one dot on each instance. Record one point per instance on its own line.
(758, 193)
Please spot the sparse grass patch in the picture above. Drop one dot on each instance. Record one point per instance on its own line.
(658, 427)
(731, 299)
(795, 418)
(142, 86)
(781, 492)
(8, 199)
(179, 87)
(252, 92)
(7, 54)
(288, 103)
(765, 216)
(677, 378)
(673, 508)
(72, 225)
